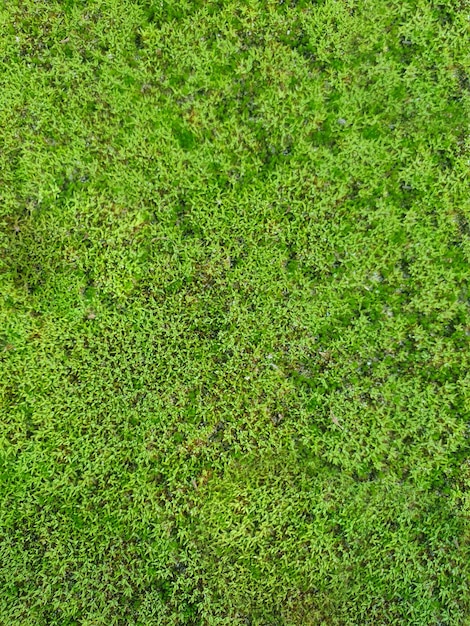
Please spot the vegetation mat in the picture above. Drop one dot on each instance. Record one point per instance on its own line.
(234, 312)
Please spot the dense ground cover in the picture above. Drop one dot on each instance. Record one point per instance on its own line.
(234, 310)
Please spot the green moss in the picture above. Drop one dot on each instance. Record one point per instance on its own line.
(234, 261)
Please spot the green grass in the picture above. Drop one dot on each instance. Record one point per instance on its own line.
(234, 336)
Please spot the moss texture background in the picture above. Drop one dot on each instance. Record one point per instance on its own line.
(234, 313)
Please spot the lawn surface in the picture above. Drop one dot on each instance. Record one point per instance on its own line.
(234, 312)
